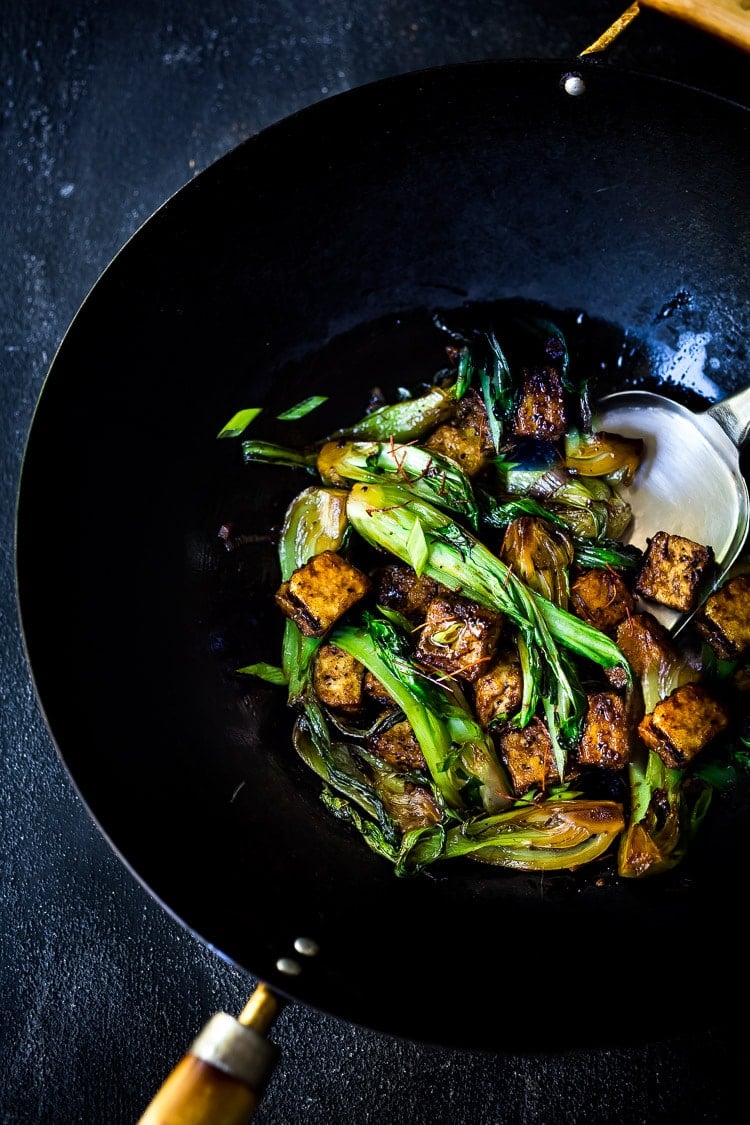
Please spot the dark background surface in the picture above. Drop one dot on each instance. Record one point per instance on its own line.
(107, 110)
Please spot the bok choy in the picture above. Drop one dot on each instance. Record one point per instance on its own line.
(459, 601)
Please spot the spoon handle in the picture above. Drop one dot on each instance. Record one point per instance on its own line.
(733, 415)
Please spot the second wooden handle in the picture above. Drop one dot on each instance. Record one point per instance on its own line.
(197, 1093)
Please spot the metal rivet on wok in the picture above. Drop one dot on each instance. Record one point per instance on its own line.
(289, 966)
(574, 85)
(306, 946)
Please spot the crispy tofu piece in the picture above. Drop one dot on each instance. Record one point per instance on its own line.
(529, 757)
(724, 619)
(601, 598)
(683, 724)
(606, 739)
(319, 592)
(374, 690)
(466, 439)
(644, 642)
(498, 692)
(458, 637)
(338, 679)
(398, 746)
(400, 588)
(541, 408)
(673, 571)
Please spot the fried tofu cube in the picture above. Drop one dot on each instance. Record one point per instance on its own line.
(466, 439)
(498, 692)
(374, 690)
(673, 571)
(397, 745)
(683, 724)
(541, 408)
(606, 739)
(458, 637)
(529, 757)
(338, 679)
(401, 588)
(644, 642)
(724, 619)
(601, 598)
(319, 592)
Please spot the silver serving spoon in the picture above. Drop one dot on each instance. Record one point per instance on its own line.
(689, 482)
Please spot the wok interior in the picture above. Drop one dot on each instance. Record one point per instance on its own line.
(309, 261)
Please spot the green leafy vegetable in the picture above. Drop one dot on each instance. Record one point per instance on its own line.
(278, 455)
(239, 422)
(416, 547)
(423, 472)
(404, 421)
(666, 811)
(269, 672)
(302, 408)
(549, 836)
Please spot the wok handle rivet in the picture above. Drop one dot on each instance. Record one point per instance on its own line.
(306, 946)
(289, 966)
(574, 85)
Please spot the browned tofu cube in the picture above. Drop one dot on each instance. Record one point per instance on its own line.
(606, 740)
(601, 598)
(673, 571)
(724, 618)
(466, 439)
(319, 592)
(644, 642)
(458, 637)
(401, 588)
(338, 679)
(683, 724)
(374, 690)
(498, 692)
(541, 408)
(398, 746)
(529, 757)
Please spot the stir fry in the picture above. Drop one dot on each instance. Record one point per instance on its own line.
(468, 649)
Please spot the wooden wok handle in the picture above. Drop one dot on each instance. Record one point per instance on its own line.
(729, 19)
(221, 1079)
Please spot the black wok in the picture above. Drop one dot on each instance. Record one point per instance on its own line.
(308, 260)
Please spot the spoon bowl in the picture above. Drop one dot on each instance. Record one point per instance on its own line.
(689, 482)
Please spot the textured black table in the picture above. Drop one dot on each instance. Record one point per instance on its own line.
(107, 110)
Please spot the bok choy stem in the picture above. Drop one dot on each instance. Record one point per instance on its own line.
(425, 473)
